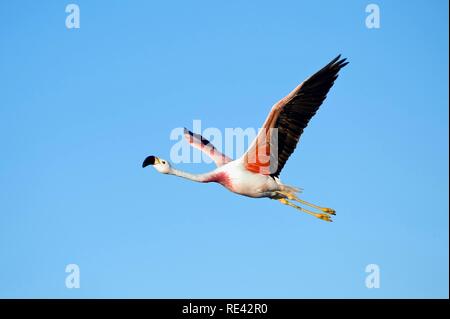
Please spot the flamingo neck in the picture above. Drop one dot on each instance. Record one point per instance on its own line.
(201, 178)
(211, 177)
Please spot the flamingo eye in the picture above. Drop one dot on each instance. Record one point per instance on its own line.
(164, 162)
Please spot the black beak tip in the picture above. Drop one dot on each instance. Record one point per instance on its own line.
(150, 160)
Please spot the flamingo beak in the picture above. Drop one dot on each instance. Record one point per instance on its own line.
(151, 160)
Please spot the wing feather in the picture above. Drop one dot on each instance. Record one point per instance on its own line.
(287, 120)
(199, 142)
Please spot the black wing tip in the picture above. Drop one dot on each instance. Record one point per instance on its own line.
(186, 131)
(335, 59)
(202, 140)
(333, 67)
(338, 62)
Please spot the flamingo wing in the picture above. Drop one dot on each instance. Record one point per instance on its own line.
(199, 142)
(285, 123)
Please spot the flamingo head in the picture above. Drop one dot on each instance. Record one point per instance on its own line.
(159, 164)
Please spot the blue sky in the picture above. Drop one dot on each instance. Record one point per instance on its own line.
(81, 109)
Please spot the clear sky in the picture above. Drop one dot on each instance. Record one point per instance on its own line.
(80, 109)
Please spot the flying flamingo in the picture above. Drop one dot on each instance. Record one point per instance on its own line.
(256, 173)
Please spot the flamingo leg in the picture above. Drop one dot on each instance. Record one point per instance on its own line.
(293, 197)
(324, 217)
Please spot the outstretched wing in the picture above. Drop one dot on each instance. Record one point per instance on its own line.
(288, 118)
(201, 143)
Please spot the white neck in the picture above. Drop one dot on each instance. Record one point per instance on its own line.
(202, 178)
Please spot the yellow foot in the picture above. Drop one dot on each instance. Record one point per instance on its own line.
(329, 211)
(324, 217)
